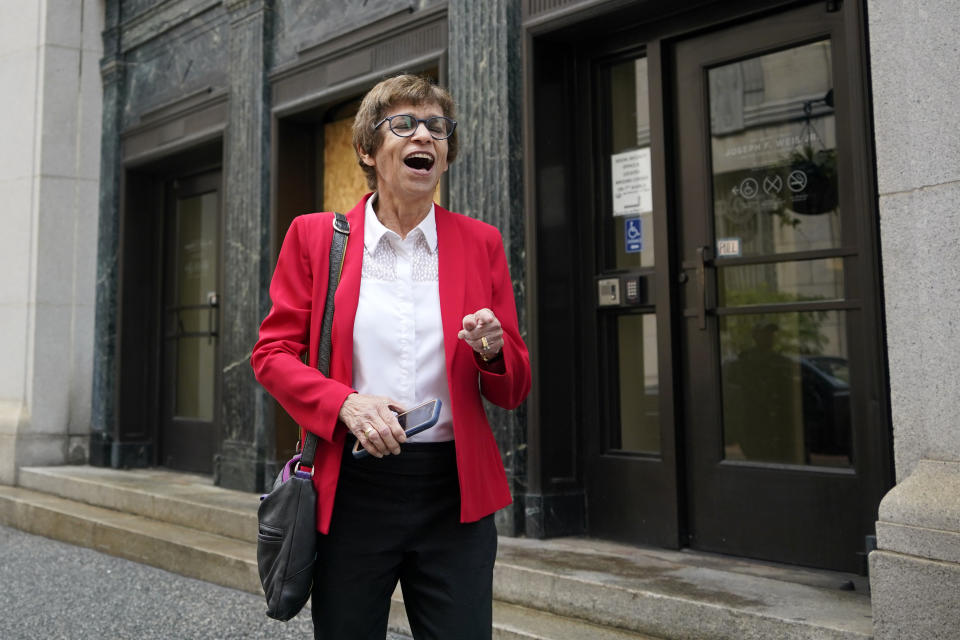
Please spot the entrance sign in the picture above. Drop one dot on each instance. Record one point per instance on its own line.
(630, 174)
(633, 235)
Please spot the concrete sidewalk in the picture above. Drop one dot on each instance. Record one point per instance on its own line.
(54, 590)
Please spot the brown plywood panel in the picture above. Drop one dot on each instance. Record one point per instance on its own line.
(343, 181)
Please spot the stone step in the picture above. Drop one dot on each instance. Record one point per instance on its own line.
(620, 589)
(189, 552)
(177, 498)
(679, 595)
(514, 622)
(225, 560)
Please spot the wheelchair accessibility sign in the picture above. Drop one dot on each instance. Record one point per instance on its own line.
(633, 234)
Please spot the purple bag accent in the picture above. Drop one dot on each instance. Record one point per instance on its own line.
(289, 467)
(287, 472)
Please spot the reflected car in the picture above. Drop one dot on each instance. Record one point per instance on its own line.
(826, 406)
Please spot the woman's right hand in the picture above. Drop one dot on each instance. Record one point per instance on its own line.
(373, 421)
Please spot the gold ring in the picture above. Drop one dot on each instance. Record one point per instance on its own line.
(367, 432)
(484, 343)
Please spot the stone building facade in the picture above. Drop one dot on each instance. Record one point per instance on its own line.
(49, 186)
(729, 226)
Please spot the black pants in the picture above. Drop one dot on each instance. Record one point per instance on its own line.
(398, 518)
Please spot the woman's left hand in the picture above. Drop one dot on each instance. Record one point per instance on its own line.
(482, 331)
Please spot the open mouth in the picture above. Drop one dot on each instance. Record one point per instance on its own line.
(419, 161)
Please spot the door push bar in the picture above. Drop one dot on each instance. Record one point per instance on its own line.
(703, 256)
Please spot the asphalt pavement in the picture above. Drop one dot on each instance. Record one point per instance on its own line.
(55, 591)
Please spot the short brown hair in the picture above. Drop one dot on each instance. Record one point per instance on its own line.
(405, 88)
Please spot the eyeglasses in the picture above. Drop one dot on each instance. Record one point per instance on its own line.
(405, 125)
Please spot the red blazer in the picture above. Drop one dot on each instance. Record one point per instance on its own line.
(473, 275)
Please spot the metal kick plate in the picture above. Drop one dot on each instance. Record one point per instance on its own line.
(608, 292)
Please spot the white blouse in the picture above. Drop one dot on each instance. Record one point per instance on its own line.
(398, 332)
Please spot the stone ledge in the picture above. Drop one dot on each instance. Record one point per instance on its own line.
(932, 544)
(925, 505)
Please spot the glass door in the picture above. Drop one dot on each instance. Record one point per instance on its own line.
(630, 470)
(191, 324)
(785, 454)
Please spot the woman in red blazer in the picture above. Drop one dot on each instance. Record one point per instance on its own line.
(424, 309)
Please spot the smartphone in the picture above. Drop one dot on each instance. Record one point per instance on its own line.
(412, 421)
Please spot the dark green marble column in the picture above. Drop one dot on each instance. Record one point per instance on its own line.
(485, 180)
(245, 408)
(104, 408)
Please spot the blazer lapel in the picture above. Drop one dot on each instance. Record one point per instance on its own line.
(348, 295)
(452, 278)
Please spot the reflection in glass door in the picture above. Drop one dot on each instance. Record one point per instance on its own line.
(628, 247)
(784, 380)
(191, 319)
(783, 459)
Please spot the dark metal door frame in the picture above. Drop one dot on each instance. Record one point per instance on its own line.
(188, 443)
(632, 496)
(811, 516)
(562, 181)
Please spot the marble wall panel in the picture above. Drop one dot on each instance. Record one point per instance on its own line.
(485, 179)
(304, 24)
(132, 8)
(103, 410)
(191, 57)
(246, 230)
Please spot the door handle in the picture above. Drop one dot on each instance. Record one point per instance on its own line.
(702, 258)
(213, 300)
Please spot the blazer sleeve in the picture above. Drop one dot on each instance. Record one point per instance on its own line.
(506, 387)
(311, 398)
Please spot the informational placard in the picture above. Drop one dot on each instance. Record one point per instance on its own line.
(633, 235)
(632, 190)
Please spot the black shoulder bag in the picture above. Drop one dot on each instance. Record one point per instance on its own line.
(287, 517)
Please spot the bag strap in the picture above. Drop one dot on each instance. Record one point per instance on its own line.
(338, 248)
